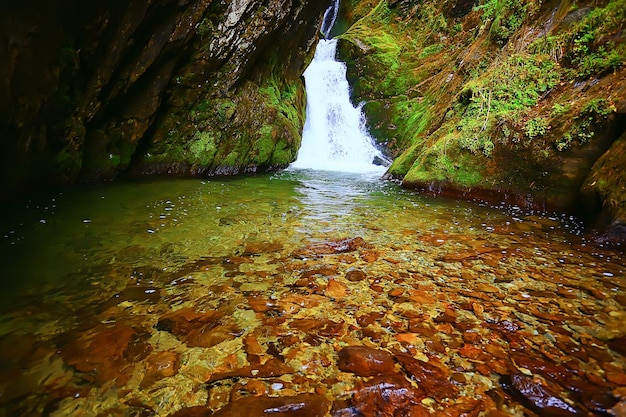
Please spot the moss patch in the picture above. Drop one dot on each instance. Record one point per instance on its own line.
(508, 96)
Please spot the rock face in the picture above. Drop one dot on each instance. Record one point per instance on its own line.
(502, 101)
(199, 87)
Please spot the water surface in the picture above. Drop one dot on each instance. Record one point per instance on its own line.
(143, 298)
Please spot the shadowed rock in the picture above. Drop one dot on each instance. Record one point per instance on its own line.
(537, 397)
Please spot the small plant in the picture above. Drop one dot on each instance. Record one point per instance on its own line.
(587, 48)
(506, 16)
(559, 109)
(593, 114)
(501, 96)
(536, 127)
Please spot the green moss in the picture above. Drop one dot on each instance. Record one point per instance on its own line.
(404, 162)
(506, 16)
(501, 96)
(432, 49)
(593, 114)
(69, 162)
(263, 146)
(231, 160)
(411, 116)
(283, 154)
(374, 32)
(203, 148)
(438, 165)
(588, 47)
(283, 96)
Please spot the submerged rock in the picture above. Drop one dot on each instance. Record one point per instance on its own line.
(430, 378)
(365, 361)
(538, 397)
(330, 247)
(160, 365)
(199, 329)
(388, 395)
(302, 405)
(107, 352)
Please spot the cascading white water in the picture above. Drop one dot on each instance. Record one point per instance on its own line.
(330, 16)
(335, 137)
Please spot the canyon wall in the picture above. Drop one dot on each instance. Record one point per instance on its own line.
(504, 101)
(189, 87)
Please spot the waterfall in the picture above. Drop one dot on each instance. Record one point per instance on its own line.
(335, 136)
(330, 15)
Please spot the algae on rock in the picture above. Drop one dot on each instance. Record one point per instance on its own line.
(510, 101)
(191, 87)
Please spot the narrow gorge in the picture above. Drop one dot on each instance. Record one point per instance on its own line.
(520, 103)
(288, 208)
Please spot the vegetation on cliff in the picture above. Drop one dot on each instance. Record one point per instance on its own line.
(194, 87)
(494, 96)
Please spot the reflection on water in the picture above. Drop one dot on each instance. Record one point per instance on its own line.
(144, 298)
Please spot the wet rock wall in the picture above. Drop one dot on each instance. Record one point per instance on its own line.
(190, 87)
(499, 101)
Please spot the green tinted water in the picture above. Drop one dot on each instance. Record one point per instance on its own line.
(87, 257)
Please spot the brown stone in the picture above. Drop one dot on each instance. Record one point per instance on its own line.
(107, 352)
(538, 397)
(618, 378)
(433, 240)
(396, 292)
(365, 320)
(365, 361)
(256, 248)
(430, 378)
(322, 271)
(423, 329)
(466, 256)
(355, 275)
(271, 368)
(377, 288)
(464, 406)
(260, 304)
(471, 337)
(436, 345)
(472, 352)
(407, 338)
(160, 365)
(388, 395)
(618, 345)
(198, 329)
(447, 316)
(326, 328)
(207, 336)
(198, 411)
(330, 247)
(336, 289)
(252, 345)
(619, 410)
(370, 255)
(422, 297)
(302, 405)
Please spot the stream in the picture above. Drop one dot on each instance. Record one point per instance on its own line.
(317, 291)
(145, 298)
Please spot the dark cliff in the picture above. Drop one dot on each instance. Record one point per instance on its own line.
(195, 87)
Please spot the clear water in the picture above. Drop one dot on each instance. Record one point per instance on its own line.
(89, 274)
